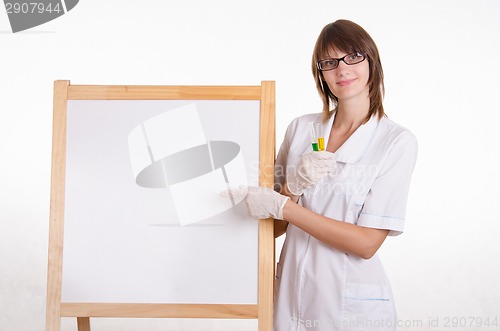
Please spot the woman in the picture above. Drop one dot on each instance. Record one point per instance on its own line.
(338, 206)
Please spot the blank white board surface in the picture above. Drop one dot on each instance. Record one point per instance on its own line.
(155, 238)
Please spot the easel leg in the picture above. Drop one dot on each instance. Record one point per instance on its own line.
(83, 323)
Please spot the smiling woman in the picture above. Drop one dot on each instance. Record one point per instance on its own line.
(347, 38)
(350, 79)
(344, 202)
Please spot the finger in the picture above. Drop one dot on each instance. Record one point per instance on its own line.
(234, 191)
(324, 155)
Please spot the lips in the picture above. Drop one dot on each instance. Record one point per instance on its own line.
(346, 82)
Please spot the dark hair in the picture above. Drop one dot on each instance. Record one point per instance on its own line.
(348, 37)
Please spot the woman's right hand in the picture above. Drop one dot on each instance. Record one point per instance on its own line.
(312, 167)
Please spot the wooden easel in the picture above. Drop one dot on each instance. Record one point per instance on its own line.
(263, 311)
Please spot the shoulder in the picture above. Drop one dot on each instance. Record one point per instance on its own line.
(303, 121)
(297, 135)
(396, 139)
(394, 132)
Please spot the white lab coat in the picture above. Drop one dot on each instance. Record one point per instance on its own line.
(318, 287)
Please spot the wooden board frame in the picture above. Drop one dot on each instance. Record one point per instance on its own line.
(263, 310)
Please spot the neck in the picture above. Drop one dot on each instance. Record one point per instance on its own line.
(351, 114)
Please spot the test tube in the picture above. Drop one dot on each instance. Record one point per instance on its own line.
(314, 138)
(318, 129)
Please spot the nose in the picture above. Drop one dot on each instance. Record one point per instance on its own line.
(341, 68)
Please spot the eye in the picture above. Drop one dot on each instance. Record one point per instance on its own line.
(354, 56)
(328, 64)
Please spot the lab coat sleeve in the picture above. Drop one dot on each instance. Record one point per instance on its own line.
(385, 204)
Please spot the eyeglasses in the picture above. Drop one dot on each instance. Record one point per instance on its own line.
(350, 59)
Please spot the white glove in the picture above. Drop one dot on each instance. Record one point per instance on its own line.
(263, 202)
(313, 167)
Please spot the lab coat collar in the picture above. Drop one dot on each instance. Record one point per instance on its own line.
(354, 147)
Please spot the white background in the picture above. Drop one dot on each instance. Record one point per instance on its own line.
(441, 64)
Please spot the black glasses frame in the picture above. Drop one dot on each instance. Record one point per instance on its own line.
(319, 64)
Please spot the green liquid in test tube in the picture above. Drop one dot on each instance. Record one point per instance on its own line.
(314, 137)
(315, 147)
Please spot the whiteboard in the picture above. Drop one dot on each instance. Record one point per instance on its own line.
(130, 239)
